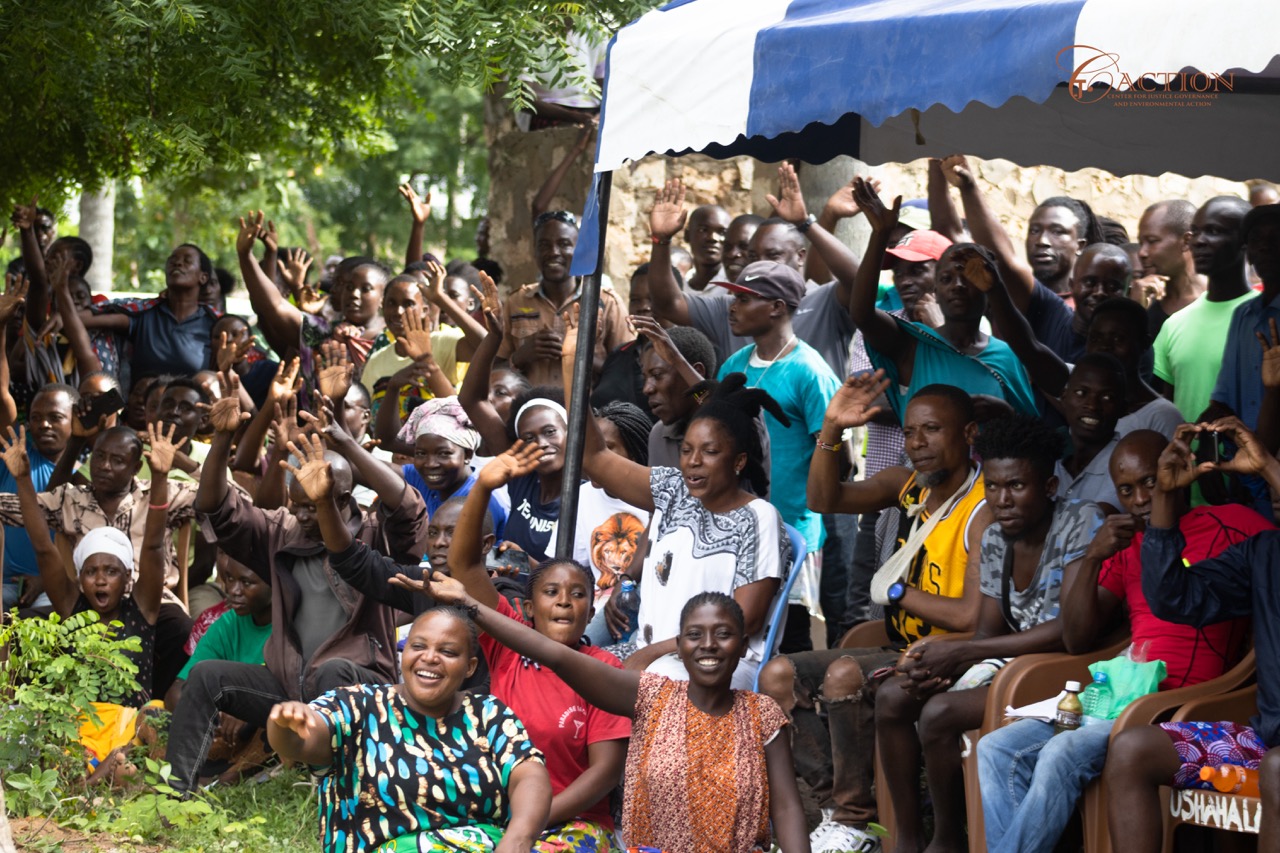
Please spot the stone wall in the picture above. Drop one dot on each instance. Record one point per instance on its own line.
(520, 162)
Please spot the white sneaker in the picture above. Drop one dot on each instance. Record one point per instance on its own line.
(832, 837)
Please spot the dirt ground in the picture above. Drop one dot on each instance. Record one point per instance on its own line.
(38, 834)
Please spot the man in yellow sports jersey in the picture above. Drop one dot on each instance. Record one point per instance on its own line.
(928, 586)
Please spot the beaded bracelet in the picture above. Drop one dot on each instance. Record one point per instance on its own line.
(834, 448)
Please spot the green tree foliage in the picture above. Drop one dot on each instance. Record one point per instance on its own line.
(110, 89)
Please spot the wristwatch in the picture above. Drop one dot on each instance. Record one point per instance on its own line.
(804, 225)
(896, 591)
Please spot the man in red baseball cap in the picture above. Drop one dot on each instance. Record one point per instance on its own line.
(912, 261)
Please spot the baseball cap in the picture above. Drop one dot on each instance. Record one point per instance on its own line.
(770, 280)
(915, 247)
(914, 214)
(1261, 213)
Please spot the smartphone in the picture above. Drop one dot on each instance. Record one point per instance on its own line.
(104, 405)
(509, 562)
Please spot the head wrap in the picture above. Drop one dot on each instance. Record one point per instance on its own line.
(106, 540)
(540, 402)
(442, 416)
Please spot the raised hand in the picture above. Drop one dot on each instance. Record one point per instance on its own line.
(881, 219)
(284, 426)
(956, 170)
(433, 289)
(248, 233)
(228, 354)
(267, 234)
(415, 343)
(323, 422)
(57, 270)
(1176, 467)
(790, 206)
(1250, 456)
(842, 204)
(286, 384)
(490, 303)
(419, 207)
(14, 297)
(292, 269)
(314, 476)
(978, 269)
(334, 370)
(1270, 356)
(160, 447)
(297, 717)
(225, 414)
(852, 404)
(24, 215)
(668, 215)
(569, 344)
(516, 461)
(661, 342)
(13, 450)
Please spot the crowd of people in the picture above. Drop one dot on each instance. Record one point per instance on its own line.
(333, 527)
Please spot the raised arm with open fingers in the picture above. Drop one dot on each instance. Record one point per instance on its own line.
(853, 405)
(15, 294)
(837, 261)
(153, 563)
(608, 688)
(60, 588)
(880, 331)
(225, 416)
(466, 561)
(420, 210)
(474, 394)
(280, 321)
(667, 218)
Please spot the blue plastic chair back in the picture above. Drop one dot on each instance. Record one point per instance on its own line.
(778, 619)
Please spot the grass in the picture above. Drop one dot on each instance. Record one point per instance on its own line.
(278, 813)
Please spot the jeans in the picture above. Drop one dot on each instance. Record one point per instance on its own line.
(1032, 779)
(245, 691)
(834, 752)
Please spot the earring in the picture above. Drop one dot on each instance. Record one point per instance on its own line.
(738, 470)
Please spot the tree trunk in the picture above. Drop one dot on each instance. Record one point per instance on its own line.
(98, 227)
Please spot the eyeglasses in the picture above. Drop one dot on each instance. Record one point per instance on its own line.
(555, 215)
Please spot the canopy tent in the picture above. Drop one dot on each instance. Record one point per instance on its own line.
(1130, 86)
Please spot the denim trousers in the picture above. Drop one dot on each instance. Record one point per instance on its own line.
(1032, 779)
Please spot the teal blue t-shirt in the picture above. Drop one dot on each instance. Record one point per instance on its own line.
(803, 385)
(995, 371)
(232, 638)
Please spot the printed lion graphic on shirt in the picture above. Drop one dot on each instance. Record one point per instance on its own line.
(612, 545)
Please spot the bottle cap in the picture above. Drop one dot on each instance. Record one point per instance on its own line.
(1101, 677)
(1073, 687)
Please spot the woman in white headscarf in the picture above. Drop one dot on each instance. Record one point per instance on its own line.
(108, 581)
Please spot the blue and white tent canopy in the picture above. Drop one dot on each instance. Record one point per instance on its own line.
(896, 80)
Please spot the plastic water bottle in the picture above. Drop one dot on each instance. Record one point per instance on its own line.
(628, 605)
(1097, 697)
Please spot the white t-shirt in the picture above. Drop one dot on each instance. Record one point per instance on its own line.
(693, 550)
(609, 532)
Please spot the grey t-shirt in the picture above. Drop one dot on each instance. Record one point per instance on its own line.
(320, 613)
(820, 321)
(1073, 527)
(1094, 482)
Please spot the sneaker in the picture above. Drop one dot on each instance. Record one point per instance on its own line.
(832, 837)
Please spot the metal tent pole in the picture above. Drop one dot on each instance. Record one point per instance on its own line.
(582, 370)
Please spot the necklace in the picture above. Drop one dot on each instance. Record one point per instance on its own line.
(769, 363)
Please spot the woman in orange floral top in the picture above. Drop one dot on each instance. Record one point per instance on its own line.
(708, 767)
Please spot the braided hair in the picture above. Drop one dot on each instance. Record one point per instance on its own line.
(1086, 222)
(633, 425)
(726, 603)
(735, 407)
